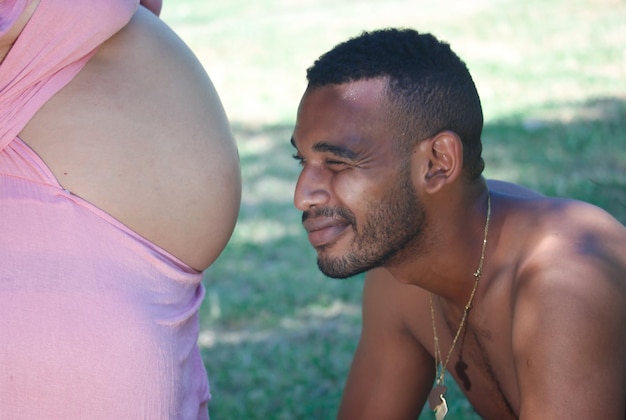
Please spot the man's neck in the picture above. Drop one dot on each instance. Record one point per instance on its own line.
(446, 266)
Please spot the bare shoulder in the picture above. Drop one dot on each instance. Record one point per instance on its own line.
(141, 133)
(573, 236)
(395, 303)
(569, 318)
(503, 187)
(568, 244)
(557, 234)
(391, 372)
(399, 311)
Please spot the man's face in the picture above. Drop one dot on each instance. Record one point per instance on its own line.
(355, 190)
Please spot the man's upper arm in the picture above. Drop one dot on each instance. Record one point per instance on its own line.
(569, 337)
(391, 372)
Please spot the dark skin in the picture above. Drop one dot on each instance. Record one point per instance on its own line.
(546, 335)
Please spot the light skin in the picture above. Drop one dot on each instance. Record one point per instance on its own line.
(140, 132)
(546, 334)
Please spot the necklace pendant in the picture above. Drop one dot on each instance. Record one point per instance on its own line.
(436, 399)
(442, 409)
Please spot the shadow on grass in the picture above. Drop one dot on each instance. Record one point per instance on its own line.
(278, 336)
(566, 150)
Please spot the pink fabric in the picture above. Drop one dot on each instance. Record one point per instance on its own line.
(95, 321)
(10, 10)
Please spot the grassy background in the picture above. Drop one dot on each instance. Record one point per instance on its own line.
(277, 336)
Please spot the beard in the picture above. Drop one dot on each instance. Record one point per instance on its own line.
(394, 229)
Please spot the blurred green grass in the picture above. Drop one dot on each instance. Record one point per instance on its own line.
(277, 336)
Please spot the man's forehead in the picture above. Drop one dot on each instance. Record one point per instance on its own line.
(360, 102)
(366, 91)
(342, 113)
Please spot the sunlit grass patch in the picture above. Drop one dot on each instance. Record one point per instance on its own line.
(277, 336)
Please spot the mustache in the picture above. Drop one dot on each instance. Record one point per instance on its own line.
(334, 212)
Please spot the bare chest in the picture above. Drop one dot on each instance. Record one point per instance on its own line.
(482, 362)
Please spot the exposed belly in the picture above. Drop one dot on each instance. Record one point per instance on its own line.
(152, 149)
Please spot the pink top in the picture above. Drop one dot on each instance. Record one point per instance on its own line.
(95, 321)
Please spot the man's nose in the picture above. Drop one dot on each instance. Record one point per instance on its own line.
(311, 189)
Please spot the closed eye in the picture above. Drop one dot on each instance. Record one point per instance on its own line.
(338, 165)
(299, 158)
(335, 162)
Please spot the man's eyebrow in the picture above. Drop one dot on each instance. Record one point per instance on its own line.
(336, 150)
(323, 146)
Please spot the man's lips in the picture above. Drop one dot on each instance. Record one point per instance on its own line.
(324, 230)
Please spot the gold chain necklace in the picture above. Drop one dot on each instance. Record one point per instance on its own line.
(436, 397)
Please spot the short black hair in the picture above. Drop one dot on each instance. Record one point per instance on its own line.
(429, 87)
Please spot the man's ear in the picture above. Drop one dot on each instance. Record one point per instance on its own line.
(440, 160)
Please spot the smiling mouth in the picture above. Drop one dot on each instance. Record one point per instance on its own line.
(324, 232)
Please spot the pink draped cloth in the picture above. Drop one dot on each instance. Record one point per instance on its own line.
(95, 321)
